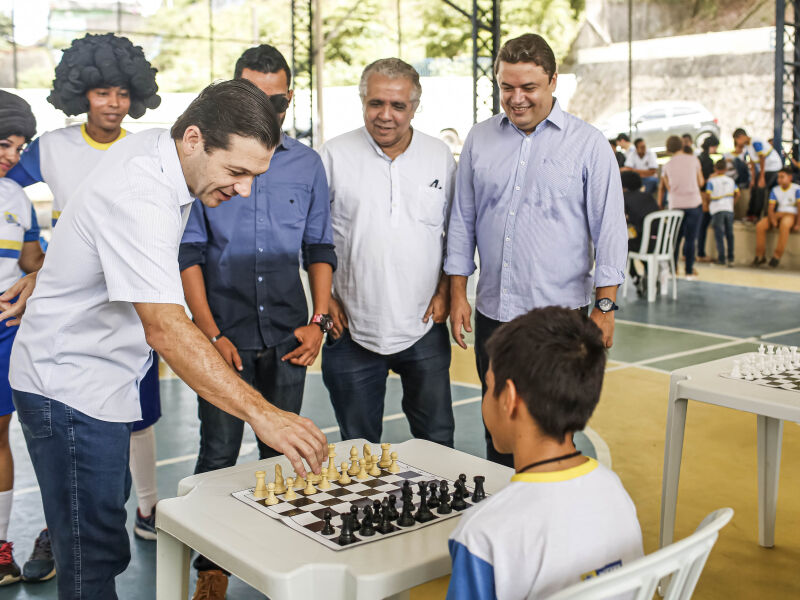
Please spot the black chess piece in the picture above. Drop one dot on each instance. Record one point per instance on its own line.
(423, 514)
(376, 512)
(444, 499)
(385, 525)
(433, 501)
(346, 536)
(406, 489)
(393, 514)
(458, 502)
(406, 518)
(367, 528)
(478, 494)
(462, 479)
(354, 514)
(328, 528)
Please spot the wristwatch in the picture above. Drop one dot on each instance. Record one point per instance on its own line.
(324, 321)
(606, 305)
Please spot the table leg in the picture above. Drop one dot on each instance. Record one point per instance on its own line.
(770, 435)
(400, 596)
(172, 567)
(673, 451)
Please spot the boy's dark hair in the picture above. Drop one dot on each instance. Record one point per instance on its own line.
(674, 144)
(264, 59)
(738, 132)
(556, 358)
(787, 170)
(721, 165)
(686, 135)
(631, 180)
(530, 48)
(710, 142)
(235, 107)
(637, 140)
(623, 136)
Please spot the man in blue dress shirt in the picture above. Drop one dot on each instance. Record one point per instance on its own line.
(538, 192)
(240, 269)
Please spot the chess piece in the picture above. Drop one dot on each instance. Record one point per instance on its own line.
(280, 486)
(271, 499)
(344, 478)
(393, 514)
(386, 458)
(346, 535)
(324, 484)
(406, 518)
(313, 477)
(354, 514)
(458, 502)
(290, 494)
(353, 461)
(433, 501)
(761, 350)
(423, 514)
(393, 468)
(333, 474)
(444, 499)
(261, 485)
(328, 528)
(376, 512)
(478, 494)
(367, 452)
(463, 481)
(736, 373)
(362, 471)
(310, 489)
(367, 528)
(374, 470)
(406, 493)
(770, 350)
(299, 482)
(385, 525)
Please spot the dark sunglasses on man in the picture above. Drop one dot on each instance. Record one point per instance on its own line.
(280, 102)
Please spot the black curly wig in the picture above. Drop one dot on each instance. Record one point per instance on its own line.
(16, 117)
(106, 60)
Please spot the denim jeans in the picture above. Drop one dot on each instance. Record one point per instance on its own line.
(650, 184)
(723, 231)
(690, 227)
(81, 465)
(280, 382)
(702, 233)
(356, 380)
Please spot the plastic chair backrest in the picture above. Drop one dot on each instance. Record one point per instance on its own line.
(683, 560)
(664, 226)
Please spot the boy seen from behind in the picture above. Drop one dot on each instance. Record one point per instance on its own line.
(721, 194)
(784, 200)
(563, 517)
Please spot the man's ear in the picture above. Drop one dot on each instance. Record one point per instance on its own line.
(192, 140)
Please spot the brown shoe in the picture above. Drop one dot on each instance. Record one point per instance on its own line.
(211, 585)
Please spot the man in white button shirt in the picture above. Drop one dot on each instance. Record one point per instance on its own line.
(390, 188)
(109, 291)
(643, 161)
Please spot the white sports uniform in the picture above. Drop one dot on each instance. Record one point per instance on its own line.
(785, 200)
(721, 189)
(18, 225)
(542, 533)
(759, 148)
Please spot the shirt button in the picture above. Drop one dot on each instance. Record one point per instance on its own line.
(512, 213)
(261, 219)
(260, 249)
(505, 290)
(260, 279)
(505, 263)
(508, 239)
(261, 308)
(516, 187)
(522, 162)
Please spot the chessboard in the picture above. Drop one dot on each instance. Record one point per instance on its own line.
(775, 368)
(362, 509)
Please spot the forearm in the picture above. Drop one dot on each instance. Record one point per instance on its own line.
(320, 279)
(31, 257)
(194, 289)
(608, 291)
(458, 286)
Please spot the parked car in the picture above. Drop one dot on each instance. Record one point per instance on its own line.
(656, 121)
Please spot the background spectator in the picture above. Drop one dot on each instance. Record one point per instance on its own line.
(721, 194)
(784, 200)
(638, 204)
(709, 147)
(619, 155)
(643, 161)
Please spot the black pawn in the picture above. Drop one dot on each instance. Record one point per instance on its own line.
(433, 501)
(407, 491)
(328, 528)
(354, 514)
(462, 479)
(478, 494)
(346, 536)
(458, 502)
(406, 518)
(367, 528)
(444, 500)
(393, 514)
(385, 525)
(423, 514)
(376, 512)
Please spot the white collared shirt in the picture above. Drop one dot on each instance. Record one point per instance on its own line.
(641, 163)
(388, 228)
(81, 341)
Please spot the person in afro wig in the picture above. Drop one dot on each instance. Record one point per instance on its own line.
(103, 61)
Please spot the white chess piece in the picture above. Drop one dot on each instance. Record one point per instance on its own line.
(290, 493)
(736, 372)
(261, 485)
(770, 349)
(761, 349)
(393, 468)
(271, 500)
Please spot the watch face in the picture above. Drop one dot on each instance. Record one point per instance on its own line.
(605, 304)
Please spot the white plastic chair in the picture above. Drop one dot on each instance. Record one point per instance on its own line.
(679, 566)
(663, 226)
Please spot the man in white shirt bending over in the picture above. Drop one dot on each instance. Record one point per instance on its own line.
(109, 291)
(643, 162)
(390, 188)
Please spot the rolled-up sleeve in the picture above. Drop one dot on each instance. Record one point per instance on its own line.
(605, 207)
(461, 239)
(195, 239)
(318, 235)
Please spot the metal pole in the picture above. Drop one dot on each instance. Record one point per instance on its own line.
(14, 47)
(495, 51)
(294, 68)
(630, 68)
(119, 17)
(211, 39)
(319, 60)
(474, 61)
(311, 46)
(796, 85)
(399, 34)
(254, 21)
(780, 28)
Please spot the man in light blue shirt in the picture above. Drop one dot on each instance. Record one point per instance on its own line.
(538, 192)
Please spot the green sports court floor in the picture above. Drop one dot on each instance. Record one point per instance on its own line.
(726, 312)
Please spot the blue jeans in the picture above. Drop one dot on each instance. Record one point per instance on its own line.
(356, 380)
(282, 383)
(81, 465)
(723, 231)
(690, 227)
(650, 184)
(701, 234)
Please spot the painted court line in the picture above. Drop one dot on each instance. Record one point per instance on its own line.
(676, 329)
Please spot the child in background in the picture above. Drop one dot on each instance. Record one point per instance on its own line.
(784, 200)
(563, 517)
(721, 194)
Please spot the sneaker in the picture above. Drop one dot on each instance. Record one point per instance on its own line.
(41, 565)
(145, 527)
(721, 263)
(704, 259)
(9, 571)
(773, 262)
(758, 261)
(211, 585)
(730, 264)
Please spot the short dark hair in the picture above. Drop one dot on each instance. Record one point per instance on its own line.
(531, 48)
(687, 135)
(556, 358)
(264, 59)
(787, 170)
(631, 180)
(637, 140)
(721, 165)
(709, 142)
(737, 132)
(623, 136)
(235, 107)
(674, 144)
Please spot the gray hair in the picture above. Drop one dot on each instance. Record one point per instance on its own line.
(391, 68)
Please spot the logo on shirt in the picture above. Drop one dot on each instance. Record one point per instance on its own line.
(435, 184)
(11, 218)
(609, 567)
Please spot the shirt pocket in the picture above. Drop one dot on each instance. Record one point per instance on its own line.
(552, 182)
(296, 200)
(429, 206)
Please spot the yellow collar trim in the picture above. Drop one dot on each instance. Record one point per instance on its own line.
(556, 476)
(98, 145)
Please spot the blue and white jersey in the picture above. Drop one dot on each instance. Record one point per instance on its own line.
(772, 159)
(17, 226)
(62, 159)
(721, 189)
(542, 533)
(785, 200)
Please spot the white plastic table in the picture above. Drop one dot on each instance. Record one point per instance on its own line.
(771, 406)
(284, 564)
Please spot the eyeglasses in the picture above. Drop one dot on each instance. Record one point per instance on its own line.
(280, 102)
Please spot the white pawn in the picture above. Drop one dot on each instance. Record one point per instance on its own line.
(393, 468)
(270, 500)
(761, 349)
(310, 489)
(362, 471)
(324, 484)
(736, 372)
(344, 478)
(770, 349)
(290, 493)
(373, 469)
(353, 461)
